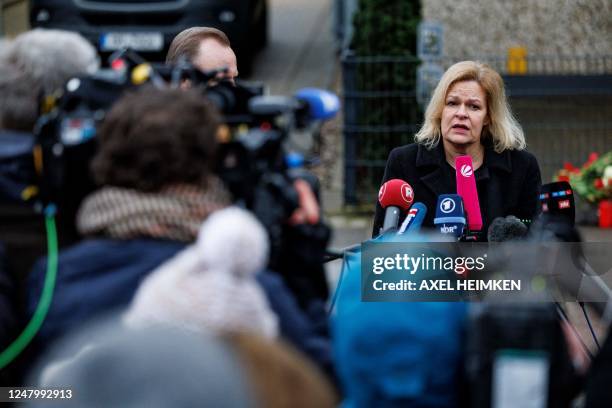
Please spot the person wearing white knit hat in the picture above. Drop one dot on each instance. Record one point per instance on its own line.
(211, 284)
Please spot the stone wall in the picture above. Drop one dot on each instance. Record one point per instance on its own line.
(544, 27)
(13, 17)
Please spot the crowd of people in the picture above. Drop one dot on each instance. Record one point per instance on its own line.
(164, 294)
(158, 242)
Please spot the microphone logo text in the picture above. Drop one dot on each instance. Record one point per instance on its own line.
(407, 193)
(466, 170)
(448, 230)
(381, 192)
(447, 205)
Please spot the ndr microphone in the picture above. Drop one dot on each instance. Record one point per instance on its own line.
(466, 188)
(394, 196)
(450, 216)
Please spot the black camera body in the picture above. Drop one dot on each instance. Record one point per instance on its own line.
(250, 157)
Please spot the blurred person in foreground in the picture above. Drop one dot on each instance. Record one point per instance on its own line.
(301, 261)
(153, 168)
(107, 365)
(211, 285)
(396, 354)
(156, 148)
(469, 114)
(34, 64)
(220, 284)
(279, 374)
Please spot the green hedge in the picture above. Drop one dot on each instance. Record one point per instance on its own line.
(381, 86)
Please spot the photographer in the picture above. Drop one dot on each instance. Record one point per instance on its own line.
(206, 48)
(304, 236)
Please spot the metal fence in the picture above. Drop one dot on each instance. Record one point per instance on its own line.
(564, 106)
(544, 64)
(380, 112)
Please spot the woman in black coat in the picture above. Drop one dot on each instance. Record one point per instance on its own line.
(469, 115)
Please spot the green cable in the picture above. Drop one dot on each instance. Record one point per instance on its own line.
(21, 342)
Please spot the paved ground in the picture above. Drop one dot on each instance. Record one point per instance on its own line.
(301, 50)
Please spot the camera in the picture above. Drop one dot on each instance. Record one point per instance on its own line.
(252, 160)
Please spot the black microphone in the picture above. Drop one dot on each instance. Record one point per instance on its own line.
(557, 200)
(507, 229)
(588, 284)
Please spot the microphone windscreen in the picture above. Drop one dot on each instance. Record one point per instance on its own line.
(466, 188)
(506, 229)
(396, 193)
(322, 104)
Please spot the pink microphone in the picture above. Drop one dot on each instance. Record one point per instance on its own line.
(466, 188)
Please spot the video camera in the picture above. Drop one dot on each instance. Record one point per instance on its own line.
(252, 153)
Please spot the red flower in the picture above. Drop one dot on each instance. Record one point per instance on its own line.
(569, 167)
(592, 157)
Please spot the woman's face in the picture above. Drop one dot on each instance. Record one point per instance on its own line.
(464, 114)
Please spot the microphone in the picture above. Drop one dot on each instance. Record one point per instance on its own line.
(394, 196)
(414, 219)
(506, 229)
(557, 200)
(588, 284)
(466, 188)
(322, 104)
(450, 216)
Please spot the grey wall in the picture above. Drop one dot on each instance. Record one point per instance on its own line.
(545, 27)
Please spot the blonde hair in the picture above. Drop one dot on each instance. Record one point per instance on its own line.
(504, 130)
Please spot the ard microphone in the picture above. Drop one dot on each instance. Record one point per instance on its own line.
(466, 188)
(414, 219)
(450, 216)
(394, 196)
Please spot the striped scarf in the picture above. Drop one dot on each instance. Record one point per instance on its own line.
(174, 213)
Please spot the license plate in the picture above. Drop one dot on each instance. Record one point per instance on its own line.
(135, 41)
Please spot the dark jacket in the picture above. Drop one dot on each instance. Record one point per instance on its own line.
(22, 230)
(508, 183)
(8, 315)
(99, 276)
(94, 277)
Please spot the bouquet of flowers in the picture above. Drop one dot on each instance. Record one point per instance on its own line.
(592, 181)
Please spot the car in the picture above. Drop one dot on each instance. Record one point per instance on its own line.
(148, 26)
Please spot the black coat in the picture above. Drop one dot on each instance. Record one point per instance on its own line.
(508, 183)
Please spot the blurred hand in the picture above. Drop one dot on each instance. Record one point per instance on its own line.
(308, 211)
(576, 351)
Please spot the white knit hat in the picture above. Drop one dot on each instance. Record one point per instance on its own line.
(211, 284)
